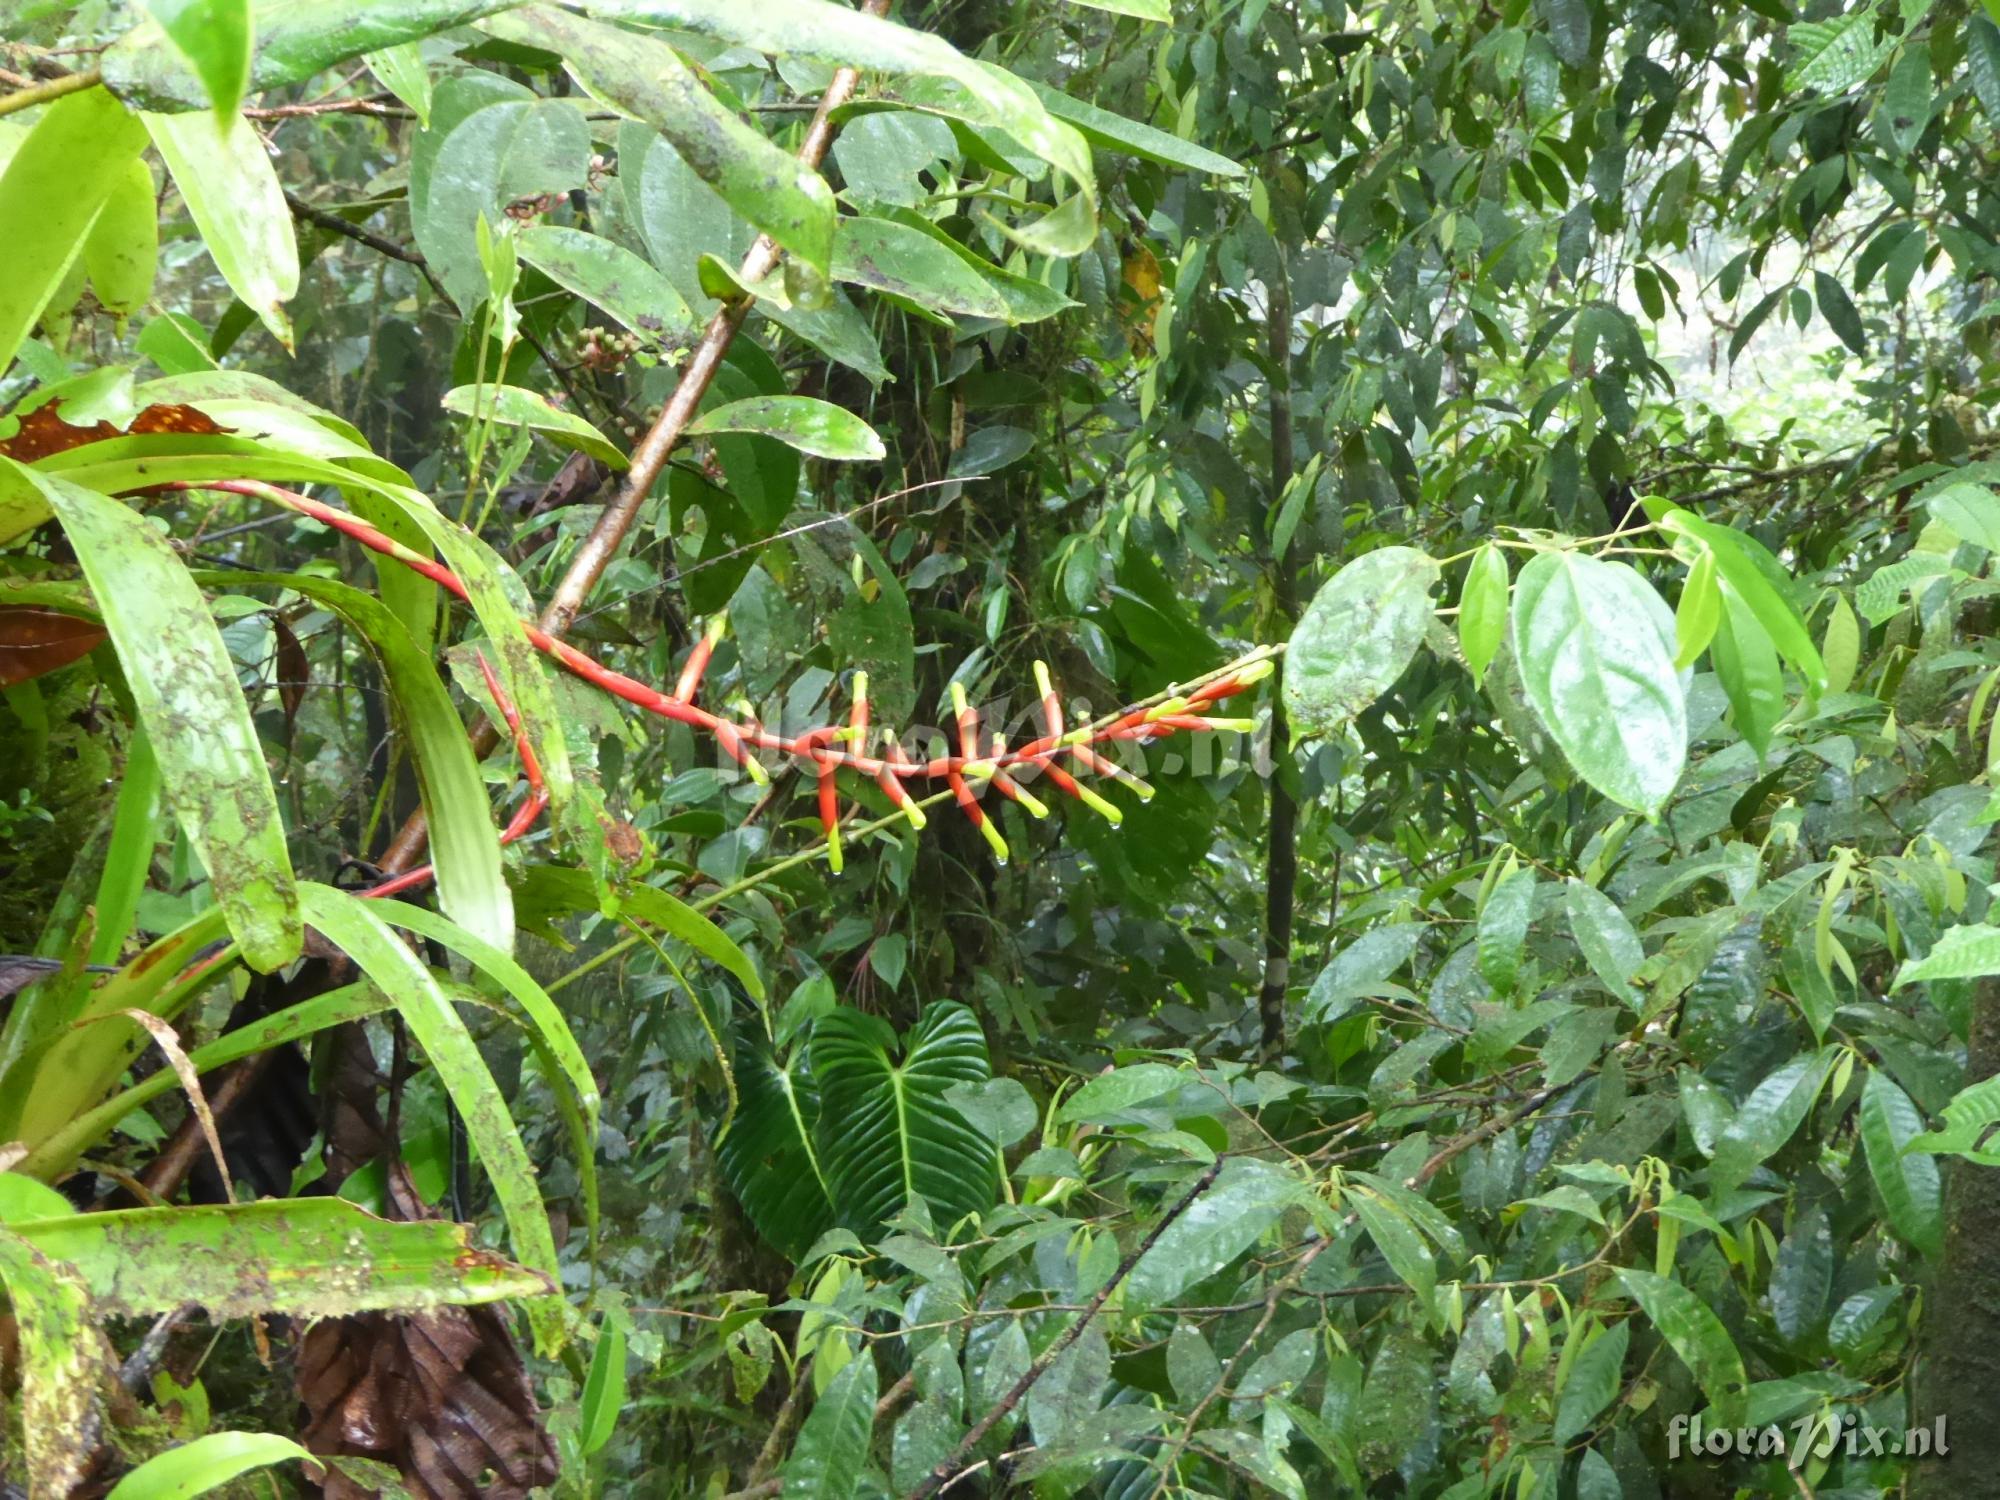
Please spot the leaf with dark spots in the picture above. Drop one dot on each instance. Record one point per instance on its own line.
(293, 671)
(34, 642)
(39, 433)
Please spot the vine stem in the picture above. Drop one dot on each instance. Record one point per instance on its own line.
(649, 459)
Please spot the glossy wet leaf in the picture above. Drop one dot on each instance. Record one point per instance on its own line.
(1357, 637)
(214, 36)
(832, 1448)
(1594, 1380)
(607, 275)
(904, 262)
(182, 679)
(1606, 938)
(1594, 644)
(770, 1156)
(646, 79)
(1909, 1184)
(1482, 609)
(1245, 1200)
(802, 422)
(1694, 1332)
(511, 406)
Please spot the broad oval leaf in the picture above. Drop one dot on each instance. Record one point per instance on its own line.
(645, 78)
(511, 406)
(832, 1449)
(801, 422)
(1357, 637)
(1246, 1198)
(769, 1156)
(1111, 1094)
(608, 275)
(1594, 646)
(185, 686)
(1694, 1332)
(1482, 610)
(896, 1137)
(1909, 1185)
(889, 257)
(1606, 938)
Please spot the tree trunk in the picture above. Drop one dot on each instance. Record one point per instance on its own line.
(1958, 1373)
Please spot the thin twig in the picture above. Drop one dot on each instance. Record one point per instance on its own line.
(53, 88)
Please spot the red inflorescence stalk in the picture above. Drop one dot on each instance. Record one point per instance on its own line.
(821, 748)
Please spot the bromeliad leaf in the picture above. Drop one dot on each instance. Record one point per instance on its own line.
(59, 1359)
(1357, 637)
(1595, 648)
(207, 1463)
(184, 684)
(511, 406)
(801, 422)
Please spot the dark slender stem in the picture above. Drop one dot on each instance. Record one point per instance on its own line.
(334, 223)
(1281, 861)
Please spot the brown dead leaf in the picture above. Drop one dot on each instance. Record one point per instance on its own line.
(293, 670)
(43, 431)
(34, 641)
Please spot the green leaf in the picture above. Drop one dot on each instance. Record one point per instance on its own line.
(1769, 1117)
(1697, 1336)
(827, 1461)
(603, 1391)
(1699, 612)
(1838, 308)
(1606, 937)
(207, 1463)
(801, 422)
(1111, 1094)
(1833, 57)
(1246, 1198)
(769, 1158)
(1144, 10)
(1398, 1240)
(908, 263)
(51, 191)
(1357, 637)
(484, 160)
(1971, 510)
(1595, 1377)
(1503, 928)
(231, 190)
(835, 34)
(891, 1135)
(1970, 951)
(465, 843)
(301, 1257)
(1112, 132)
(1982, 64)
(608, 275)
(1757, 578)
(512, 406)
(184, 684)
(214, 36)
(402, 71)
(644, 78)
(293, 42)
(59, 1360)
(1752, 321)
(1594, 644)
(1909, 1185)
(1482, 610)
(1071, 1390)
(352, 926)
(1747, 664)
(1840, 646)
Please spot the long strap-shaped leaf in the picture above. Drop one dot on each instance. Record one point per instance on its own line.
(184, 683)
(352, 925)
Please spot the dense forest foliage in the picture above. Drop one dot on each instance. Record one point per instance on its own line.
(995, 747)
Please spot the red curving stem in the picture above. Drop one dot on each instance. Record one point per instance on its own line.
(826, 749)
